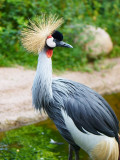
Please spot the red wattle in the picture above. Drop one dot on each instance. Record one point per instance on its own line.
(49, 36)
(49, 53)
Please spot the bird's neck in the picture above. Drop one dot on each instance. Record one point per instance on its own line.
(42, 85)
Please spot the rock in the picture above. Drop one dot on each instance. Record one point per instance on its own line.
(96, 41)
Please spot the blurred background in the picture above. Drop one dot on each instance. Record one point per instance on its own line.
(92, 27)
(14, 15)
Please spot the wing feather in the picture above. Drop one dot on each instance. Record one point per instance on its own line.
(88, 109)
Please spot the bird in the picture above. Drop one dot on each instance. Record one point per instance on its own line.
(82, 116)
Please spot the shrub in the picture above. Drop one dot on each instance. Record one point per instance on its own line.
(14, 14)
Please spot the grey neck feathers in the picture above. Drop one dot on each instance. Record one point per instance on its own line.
(42, 85)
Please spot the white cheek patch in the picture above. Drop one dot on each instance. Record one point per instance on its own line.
(50, 42)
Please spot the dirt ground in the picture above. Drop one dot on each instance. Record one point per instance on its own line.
(15, 91)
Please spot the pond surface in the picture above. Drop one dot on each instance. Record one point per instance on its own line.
(42, 141)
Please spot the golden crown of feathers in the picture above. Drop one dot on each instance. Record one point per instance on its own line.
(35, 34)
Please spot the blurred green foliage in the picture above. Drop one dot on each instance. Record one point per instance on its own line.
(35, 142)
(14, 15)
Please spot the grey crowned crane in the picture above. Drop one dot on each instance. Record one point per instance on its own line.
(82, 116)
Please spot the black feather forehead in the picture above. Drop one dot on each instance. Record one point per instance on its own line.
(57, 35)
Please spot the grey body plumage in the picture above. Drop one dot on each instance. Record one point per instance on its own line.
(88, 110)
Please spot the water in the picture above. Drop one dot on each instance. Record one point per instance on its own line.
(42, 141)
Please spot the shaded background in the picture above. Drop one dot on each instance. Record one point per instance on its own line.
(14, 14)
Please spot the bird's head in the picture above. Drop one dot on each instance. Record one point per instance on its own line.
(55, 40)
(41, 33)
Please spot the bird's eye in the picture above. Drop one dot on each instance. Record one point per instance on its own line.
(50, 42)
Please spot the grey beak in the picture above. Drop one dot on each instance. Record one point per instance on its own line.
(62, 44)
